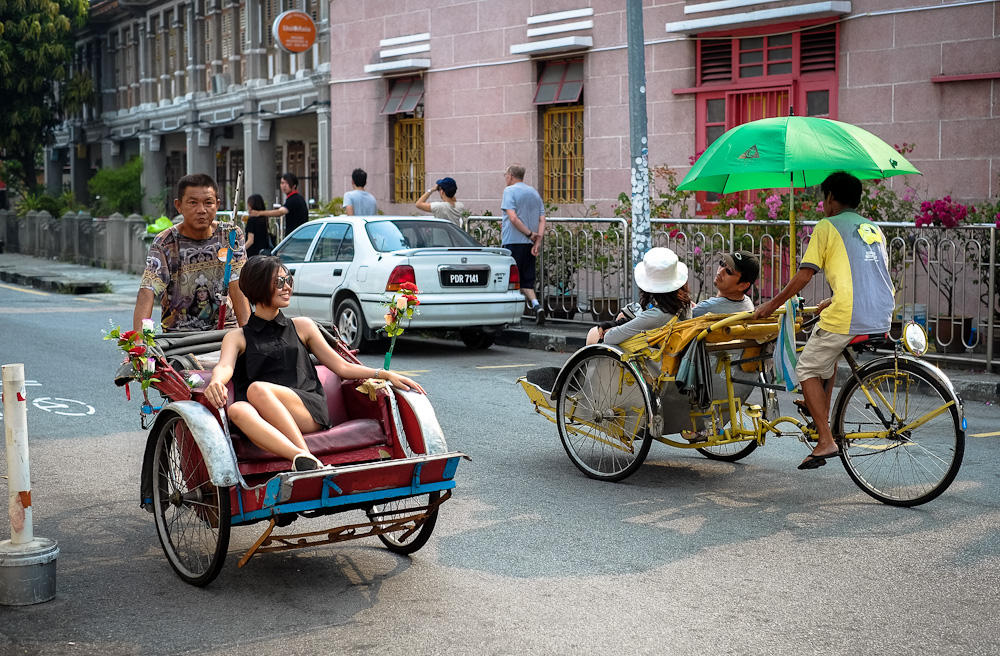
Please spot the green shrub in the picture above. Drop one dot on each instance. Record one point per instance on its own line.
(118, 190)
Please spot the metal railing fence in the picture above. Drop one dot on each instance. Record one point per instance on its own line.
(945, 277)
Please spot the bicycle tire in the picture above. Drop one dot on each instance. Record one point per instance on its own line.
(907, 468)
(603, 412)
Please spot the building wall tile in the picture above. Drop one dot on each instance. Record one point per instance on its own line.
(958, 23)
(873, 104)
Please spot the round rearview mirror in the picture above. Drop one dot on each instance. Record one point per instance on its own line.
(915, 338)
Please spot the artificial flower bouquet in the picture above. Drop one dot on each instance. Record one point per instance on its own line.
(402, 305)
(148, 365)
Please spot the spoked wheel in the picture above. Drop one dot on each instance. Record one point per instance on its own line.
(603, 413)
(739, 450)
(920, 455)
(192, 515)
(410, 534)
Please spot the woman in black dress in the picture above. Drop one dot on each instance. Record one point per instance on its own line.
(257, 236)
(278, 395)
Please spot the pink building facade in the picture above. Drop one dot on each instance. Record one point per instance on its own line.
(432, 88)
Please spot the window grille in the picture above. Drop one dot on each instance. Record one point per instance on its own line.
(562, 180)
(408, 159)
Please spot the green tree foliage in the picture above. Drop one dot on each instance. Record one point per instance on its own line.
(36, 47)
(118, 190)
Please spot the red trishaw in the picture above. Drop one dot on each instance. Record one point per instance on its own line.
(389, 456)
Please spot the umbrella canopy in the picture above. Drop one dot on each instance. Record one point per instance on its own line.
(791, 151)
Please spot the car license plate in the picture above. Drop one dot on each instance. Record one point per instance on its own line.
(464, 277)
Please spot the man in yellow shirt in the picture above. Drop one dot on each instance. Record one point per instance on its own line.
(850, 251)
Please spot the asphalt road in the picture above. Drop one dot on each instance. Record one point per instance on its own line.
(688, 556)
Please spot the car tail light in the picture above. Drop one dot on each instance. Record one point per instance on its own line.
(402, 273)
(514, 282)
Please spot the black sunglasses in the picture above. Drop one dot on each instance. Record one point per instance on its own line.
(729, 271)
(283, 280)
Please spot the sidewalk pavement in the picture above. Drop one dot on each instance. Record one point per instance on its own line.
(970, 377)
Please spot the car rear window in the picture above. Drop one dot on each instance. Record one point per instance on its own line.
(389, 236)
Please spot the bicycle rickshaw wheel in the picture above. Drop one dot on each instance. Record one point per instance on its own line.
(909, 467)
(408, 538)
(739, 450)
(192, 515)
(603, 412)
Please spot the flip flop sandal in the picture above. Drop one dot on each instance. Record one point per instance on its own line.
(814, 462)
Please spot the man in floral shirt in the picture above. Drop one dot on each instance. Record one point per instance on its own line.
(185, 266)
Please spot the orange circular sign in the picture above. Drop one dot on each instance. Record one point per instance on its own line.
(294, 31)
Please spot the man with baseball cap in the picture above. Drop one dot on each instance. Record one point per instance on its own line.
(737, 273)
(448, 207)
(735, 276)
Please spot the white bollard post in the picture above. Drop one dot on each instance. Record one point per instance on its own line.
(27, 563)
(15, 420)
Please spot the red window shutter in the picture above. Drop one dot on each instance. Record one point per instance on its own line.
(715, 63)
(819, 50)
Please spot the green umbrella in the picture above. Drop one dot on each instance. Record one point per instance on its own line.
(794, 152)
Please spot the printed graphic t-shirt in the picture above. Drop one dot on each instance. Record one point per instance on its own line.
(850, 251)
(187, 275)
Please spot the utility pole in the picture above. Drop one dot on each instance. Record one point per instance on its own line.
(642, 238)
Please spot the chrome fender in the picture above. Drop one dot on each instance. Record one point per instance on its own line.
(652, 400)
(420, 405)
(932, 371)
(216, 448)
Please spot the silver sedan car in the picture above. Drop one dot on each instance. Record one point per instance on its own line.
(346, 268)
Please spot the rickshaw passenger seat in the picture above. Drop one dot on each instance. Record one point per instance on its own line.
(345, 434)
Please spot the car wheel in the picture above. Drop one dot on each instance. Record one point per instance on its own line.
(477, 339)
(351, 324)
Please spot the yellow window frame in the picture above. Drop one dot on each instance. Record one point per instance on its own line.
(562, 154)
(408, 159)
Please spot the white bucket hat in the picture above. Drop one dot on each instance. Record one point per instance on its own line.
(660, 271)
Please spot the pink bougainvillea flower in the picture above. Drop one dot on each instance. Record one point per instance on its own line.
(748, 212)
(697, 250)
(732, 211)
(773, 203)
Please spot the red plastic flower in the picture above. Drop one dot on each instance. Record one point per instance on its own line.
(408, 287)
(138, 350)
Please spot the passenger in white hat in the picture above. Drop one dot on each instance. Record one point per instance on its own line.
(664, 294)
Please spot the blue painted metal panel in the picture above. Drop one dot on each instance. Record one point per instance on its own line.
(451, 467)
(374, 496)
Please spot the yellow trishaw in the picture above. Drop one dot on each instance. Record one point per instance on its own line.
(898, 419)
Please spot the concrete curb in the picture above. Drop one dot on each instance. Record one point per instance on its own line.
(541, 339)
(55, 284)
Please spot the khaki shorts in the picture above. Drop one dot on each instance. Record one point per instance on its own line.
(819, 357)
